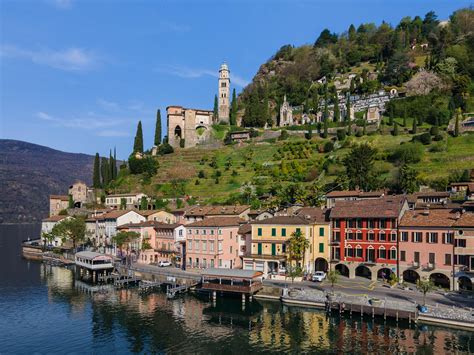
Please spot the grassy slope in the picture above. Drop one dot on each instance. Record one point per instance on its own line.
(184, 165)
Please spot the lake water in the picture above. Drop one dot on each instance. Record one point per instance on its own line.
(43, 310)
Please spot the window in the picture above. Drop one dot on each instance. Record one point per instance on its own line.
(393, 236)
(432, 238)
(359, 223)
(283, 232)
(371, 235)
(212, 231)
(298, 230)
(359, 252)
(321, 231)
(259, 232)
(349, 252)
(403, 255)
(283, 248)
(196, 244)
(204, 263)
(350, 223)
(220, 262)
(321, 247)
(219, 245)
(197, 231)
(416, 237)
(337, 223)
(382, 253)
(393, 254)
(431, 258)
(204, 232)
(350, 235)
(382, 236)
(461, 243)
(204, 245)
(230, 249)
(448, 238)
(212, 262)
(259, 248)
(416, 256)
(190, 245)
(359, 235)
(274, 232)
(404, 237)
(219, 231)
(447, 259)
(211, 246)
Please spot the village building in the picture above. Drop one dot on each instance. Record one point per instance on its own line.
(168, 244)
(158, 216)
(57, 203)
(214, 243)
(464, 250)
(364, 236)
(430, 199)
(198, 213)
(334, 196)
(137, 249)
(239, 136)
(426, 246)
(286, 114)
(224, 94)
(259, 214)
(78, 191)
(47, 226)
(129, 200)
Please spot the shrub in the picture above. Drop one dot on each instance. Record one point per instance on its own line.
(438, 137)
(328, 147)
(407, 153)
(197, 182)
(201, 174)
(284, 135)
(341, 134)
(182, 143)
(165, 148)
(424, 138)
(234, 173)
(434, 130)
(438, 147)
(359, 133)
(147, 165)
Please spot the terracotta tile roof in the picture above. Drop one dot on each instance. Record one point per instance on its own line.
(257, 212)
(54, 218)
(431, 194)
(383, 207)
(466, 220)
(245, 229)
(218, 222)
(137, 225)
(146, 213)
(159, 225)
(59, 197)
(124, 195)
(317, 214)
(355, 193)
(116, 214)
(284, 220)
(216, 210)
(429, 218)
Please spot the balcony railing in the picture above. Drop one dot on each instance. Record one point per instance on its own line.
(429, 266)
(415, 265)
(335, 241)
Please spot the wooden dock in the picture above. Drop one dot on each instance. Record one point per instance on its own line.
(172, 291)
(149, 286)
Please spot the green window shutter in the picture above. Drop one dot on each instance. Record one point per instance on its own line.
(274, 232)
(259, 232)
(283, 232)
(321, 231)
(273, 249)
(298, 229)
(259, 247)
(321, 247)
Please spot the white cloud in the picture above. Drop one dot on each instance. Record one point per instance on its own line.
(192, 73)
(61, 4)
(108, 105)
(71, 59)
(91, 121)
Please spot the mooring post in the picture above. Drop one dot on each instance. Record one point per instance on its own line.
(214, 296)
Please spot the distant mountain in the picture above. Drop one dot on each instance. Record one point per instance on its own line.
(29, 173)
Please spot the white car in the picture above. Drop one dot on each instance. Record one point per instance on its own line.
(319, 276)
(164, 263)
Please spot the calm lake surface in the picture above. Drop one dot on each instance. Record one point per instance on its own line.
(43, 310)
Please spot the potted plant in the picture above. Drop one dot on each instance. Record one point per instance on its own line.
(393, 280)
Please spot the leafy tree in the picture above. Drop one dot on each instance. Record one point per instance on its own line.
(291, 194)
(123, 203)
(425, 286)
(349, 128)
(325, 38)
(408, 179)
(407, 153)
(359, 165)
(138, 143)
(215, 113)
(333, 278)
(157, 140)
(48, 239)
(395, 129)
(160, 203)
(96, 172)
(71, 229)
(397, 70)
(297, 246)
(201, 174)
(147, 166)
(341, 134)
(233, 109)
(143, 203)
(165, 148)
(70, 202)
(124, 238)
(364, 127)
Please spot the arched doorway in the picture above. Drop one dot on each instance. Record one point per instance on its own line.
(363, 271)
(320, 264)
(384, 273)
(410, 276)
(177, 131)
(343, 270)
(440, 280)
(465, 283)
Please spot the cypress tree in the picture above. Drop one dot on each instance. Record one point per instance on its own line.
(104, 170)
(115, 162)
(216, 109)
(414, 128)
(349, 128)
(395, 129)
(348, 108)
(364, 128)
(456, 124)
(326, 125)
(390, 116)
(96, 172)
(138, 144)
(233, 109)
(158, 128)
(405, 117)
(337, 112)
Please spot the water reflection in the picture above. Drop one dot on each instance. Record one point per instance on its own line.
(153, 323)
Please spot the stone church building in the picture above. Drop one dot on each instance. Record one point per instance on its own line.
(188, 127)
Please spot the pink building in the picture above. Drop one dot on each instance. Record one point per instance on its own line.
(464, 249)
(168, 241)
(135, 248)
(426, 246)
(214, 242)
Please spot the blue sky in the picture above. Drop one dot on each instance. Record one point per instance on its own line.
(78, 75)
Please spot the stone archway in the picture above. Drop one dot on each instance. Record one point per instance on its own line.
(363, 271)
(384, 273)
(321, 264)
(343, 269)
(178, 132)
(440, 280)
(410, 276)
(465, 283)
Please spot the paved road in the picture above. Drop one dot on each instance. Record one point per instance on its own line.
(363, 287)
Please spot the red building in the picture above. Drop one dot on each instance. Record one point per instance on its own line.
(364, 236)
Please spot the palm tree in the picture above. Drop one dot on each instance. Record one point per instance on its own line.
(123, 238)
(425, 285)
(47, 239)
(297, 246)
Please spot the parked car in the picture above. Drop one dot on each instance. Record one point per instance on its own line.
(281, 270)
(318, 276)
(164, 263)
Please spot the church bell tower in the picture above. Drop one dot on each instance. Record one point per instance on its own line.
(224, 93)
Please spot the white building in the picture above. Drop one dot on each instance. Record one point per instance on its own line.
(132, 200)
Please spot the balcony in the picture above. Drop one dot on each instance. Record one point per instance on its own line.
(429, 267)
(369, 262)
(414, 265)
(334, 260)
(335, 242)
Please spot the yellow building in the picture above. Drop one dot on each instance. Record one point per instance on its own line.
(270, 240)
